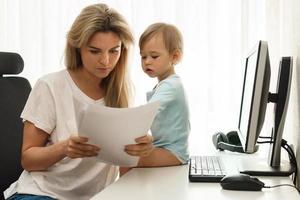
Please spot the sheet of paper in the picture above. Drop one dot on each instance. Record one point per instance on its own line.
(113, 128)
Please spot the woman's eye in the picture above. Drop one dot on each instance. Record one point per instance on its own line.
(114, 51)
(94, 51)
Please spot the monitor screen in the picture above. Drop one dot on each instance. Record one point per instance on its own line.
(254, 96)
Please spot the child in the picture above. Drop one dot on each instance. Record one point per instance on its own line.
(161, 49)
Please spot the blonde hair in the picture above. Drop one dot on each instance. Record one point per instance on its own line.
(170, 34)
(100, 18)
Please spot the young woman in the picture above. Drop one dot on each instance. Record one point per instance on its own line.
(56, 160)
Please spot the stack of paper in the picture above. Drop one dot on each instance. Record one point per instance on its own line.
(113, 128)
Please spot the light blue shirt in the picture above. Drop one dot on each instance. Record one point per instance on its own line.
(171, 126)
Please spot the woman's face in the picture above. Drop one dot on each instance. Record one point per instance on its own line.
(101, 54)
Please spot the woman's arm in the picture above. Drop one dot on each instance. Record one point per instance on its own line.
(37, 156)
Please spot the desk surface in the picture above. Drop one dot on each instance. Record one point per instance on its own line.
(172, 183)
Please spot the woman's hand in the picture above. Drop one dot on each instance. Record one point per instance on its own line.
(143, 148)
(77, 147)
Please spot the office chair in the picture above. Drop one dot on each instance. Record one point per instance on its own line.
(14, 92)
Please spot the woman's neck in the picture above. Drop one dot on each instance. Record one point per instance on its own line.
(87, 83)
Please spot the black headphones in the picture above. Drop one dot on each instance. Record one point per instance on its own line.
(230, 141)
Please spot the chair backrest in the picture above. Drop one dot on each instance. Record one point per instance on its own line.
(14, 92)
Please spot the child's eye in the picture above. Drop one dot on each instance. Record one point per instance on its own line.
(154, 57)
(143, 57)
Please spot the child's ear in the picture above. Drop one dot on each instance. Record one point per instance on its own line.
(176, 56)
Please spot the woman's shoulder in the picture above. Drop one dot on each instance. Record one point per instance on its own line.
(54, 76)
(53, 80)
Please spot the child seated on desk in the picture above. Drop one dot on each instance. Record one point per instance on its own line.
(161, 49)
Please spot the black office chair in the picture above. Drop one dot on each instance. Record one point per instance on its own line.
(14, 92)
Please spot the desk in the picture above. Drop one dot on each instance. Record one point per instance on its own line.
(172, 183)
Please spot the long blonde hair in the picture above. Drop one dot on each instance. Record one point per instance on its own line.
(100, 18)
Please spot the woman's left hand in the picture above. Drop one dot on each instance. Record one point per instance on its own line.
(143, 148)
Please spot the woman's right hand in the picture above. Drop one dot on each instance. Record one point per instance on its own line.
(77, 147)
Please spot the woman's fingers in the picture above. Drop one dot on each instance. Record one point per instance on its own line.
(80, 154)
(142, 149)
(78, 139)
(144, 139)
(139, 153)
(78, 147)
(83, 146)
(138, 147)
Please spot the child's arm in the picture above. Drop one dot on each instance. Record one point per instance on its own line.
(159, 157)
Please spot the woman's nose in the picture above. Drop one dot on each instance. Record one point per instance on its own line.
(104, 59)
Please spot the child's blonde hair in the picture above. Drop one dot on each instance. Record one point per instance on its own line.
(170, 34)
(101, 18)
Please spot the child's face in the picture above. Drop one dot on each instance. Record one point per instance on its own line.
(156, 60)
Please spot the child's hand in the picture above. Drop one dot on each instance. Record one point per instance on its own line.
(143, 147)
(77, 147)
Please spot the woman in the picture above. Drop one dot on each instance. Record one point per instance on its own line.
(54, 157)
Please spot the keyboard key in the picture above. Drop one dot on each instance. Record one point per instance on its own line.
(206, 169)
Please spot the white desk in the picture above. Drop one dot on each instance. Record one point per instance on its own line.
(172, 183)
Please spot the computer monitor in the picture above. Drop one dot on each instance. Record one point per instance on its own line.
(255, 97)
(281, 100)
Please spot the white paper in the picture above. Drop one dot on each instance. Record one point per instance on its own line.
(113, 128)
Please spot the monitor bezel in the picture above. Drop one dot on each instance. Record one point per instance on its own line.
(249, 139)
(284, 79)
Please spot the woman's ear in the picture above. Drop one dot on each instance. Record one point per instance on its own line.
(176, 57)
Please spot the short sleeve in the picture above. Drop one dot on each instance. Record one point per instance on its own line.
(40, 107)
(165, 94)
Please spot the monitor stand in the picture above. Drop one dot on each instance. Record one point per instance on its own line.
(259, 167)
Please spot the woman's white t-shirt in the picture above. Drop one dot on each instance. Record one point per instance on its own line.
(54, 105)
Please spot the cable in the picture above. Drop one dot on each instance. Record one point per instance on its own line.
(292, 157)
(267, 141)
(265, 137)
(264, 142)
(290, 185)
(290, 152)
(284, 142)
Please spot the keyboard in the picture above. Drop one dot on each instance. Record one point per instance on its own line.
(206, 169)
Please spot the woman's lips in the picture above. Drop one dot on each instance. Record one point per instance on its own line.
(102, 69)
